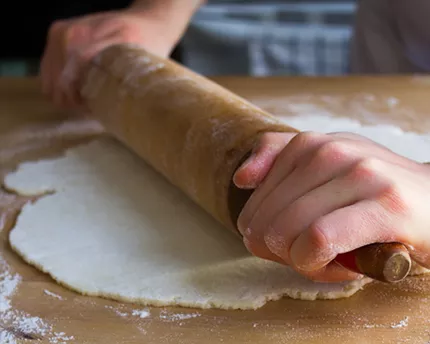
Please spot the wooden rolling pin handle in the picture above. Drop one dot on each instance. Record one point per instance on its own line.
(385, 262)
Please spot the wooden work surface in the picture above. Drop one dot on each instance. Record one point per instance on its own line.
(31, 128)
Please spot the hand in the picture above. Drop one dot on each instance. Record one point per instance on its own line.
(320, 195)
(72, 43)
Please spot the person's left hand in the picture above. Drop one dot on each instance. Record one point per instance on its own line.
(72, 43)
(320, 195)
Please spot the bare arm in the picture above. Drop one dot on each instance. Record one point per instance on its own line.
(156, 25)
(175, 14)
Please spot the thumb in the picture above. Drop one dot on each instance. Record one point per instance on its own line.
(253, 171)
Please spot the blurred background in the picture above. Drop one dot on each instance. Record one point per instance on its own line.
(239, 37)
(263, 38)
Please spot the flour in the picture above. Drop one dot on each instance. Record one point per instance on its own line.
(141, 313)
(402, 323)
(8, 284)
(118, 312)
(19, 325)
(145, 313)
(178, 316)
(16, 325)
(50, 293)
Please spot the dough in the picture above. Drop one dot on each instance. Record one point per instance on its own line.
(111, 226)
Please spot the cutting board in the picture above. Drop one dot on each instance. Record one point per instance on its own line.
(34, 309)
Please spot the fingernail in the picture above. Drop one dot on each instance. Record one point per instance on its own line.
(275, 242)
(297, 256)
(243, 181)
(247, 232)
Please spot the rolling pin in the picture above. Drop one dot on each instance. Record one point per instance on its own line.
(196, 134)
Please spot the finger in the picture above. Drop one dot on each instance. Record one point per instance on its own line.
(77, 62)
(50, 57)
(77, 40)
(58, 59)
(349, 188)
(329, 160)
(284, 164)
(332, 272)
(109, 28)
(252, 172)
(341, 231)
(260, 250)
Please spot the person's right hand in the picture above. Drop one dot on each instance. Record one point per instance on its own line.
(72, 43)
(319, 195)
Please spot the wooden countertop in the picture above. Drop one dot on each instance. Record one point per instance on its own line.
(31, 128)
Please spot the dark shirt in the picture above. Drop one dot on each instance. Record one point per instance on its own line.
(24, 24)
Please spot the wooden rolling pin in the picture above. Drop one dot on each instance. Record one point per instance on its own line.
(196, 134)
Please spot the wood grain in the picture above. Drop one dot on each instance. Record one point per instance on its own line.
(30, 128)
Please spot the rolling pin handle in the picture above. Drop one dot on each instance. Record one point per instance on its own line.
(387, 262)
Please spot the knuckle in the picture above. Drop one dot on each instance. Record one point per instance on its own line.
(392, 200)
(274, 142)
(366, 168)
(76, 30)
(128, 34)
(332, 151)
(306, 138)
(305, 141)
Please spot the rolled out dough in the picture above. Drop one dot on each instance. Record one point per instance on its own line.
(113, 227)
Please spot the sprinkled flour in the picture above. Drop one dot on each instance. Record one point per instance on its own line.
(145, 313)
(117, 311)
(178, 316)
(50, 293)
(8, 285)
(402, 323)
(141, 313)
(16, 325)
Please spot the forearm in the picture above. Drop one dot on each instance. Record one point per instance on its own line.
(174, 14)
(168, 5)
